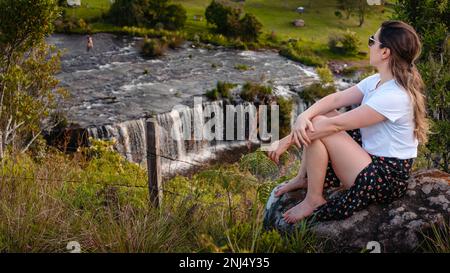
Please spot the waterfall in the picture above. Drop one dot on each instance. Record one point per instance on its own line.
(178, 139)
(129, 136)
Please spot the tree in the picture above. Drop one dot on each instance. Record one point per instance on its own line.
(250, 27)
(174, 17)
(129, 12)
(344, 43)
(148, 13)
(28, 88)
(226, 17)
(347, 6)
(360, 7)
(431, 21)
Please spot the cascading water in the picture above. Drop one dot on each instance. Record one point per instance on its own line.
(113, 89)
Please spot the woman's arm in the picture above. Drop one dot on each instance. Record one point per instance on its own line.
(360, 117)
(331, 102)
(334, 101)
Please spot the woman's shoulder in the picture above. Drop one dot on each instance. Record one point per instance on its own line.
(396, 90)
(394, 96)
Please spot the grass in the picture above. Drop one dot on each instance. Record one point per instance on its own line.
(89, 9)
(98, 199)
(437, 239)
(276, 17)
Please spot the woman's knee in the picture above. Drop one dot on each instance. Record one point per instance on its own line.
(318, 118)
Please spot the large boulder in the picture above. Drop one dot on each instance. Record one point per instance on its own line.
(397, 227)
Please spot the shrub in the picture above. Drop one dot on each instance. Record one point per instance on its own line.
(223, 15)
(250, 28)
(242, 67)
(212, 94)
(128, 13)
(286, 107)
(349, 71)
(296, 53)
(226, 17)
(344, 43)
(326, 77)
(316, 91)
(252, 91)
(175, 41)
(171, 17)
(223, 90)
(153, 47)
(147, 13)
(350, 42)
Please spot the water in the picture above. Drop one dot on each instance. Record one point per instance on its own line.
(114, 88)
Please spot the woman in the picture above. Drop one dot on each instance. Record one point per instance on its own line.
(371, 163)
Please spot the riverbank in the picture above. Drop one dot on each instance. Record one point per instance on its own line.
(310, 41)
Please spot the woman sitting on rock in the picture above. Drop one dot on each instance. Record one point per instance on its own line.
(369, 150)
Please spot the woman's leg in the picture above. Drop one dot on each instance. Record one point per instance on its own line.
(300, 180)
(316, 165)
(348, 159)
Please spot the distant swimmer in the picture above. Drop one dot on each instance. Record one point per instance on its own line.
(90, 43)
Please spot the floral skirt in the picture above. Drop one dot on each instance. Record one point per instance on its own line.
(382, 181)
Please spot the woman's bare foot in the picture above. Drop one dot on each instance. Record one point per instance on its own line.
(304, 209)
(293, 184)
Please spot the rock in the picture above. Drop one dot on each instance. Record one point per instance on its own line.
(298, 23)
(427, 188)
(397, 226)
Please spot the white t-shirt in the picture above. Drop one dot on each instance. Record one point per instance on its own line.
(393, 137)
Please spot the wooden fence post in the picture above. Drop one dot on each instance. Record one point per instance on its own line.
(154, 163)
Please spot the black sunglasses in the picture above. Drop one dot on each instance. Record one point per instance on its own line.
(372, 41)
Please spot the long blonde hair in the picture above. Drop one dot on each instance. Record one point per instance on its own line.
(405, 47)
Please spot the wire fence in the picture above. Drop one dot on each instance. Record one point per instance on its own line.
(147, 187)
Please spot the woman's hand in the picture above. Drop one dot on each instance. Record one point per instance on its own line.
(279, 147)
(299, 131)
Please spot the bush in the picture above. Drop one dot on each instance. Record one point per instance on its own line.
(326, 77)
(147, 13)
(223, 15)
(129, 13)
(68, 24)
(350, 42)
(174, 17)
(296, 53)
(250, 28)
(175, 41)
(226, 17)
(316, 91)
(223, 90)
(349, 71)
(242, 67)
(286, 107)
(153, 47)
(344, 43)
(252, 91)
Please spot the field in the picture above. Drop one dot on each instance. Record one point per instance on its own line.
(276, 16)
